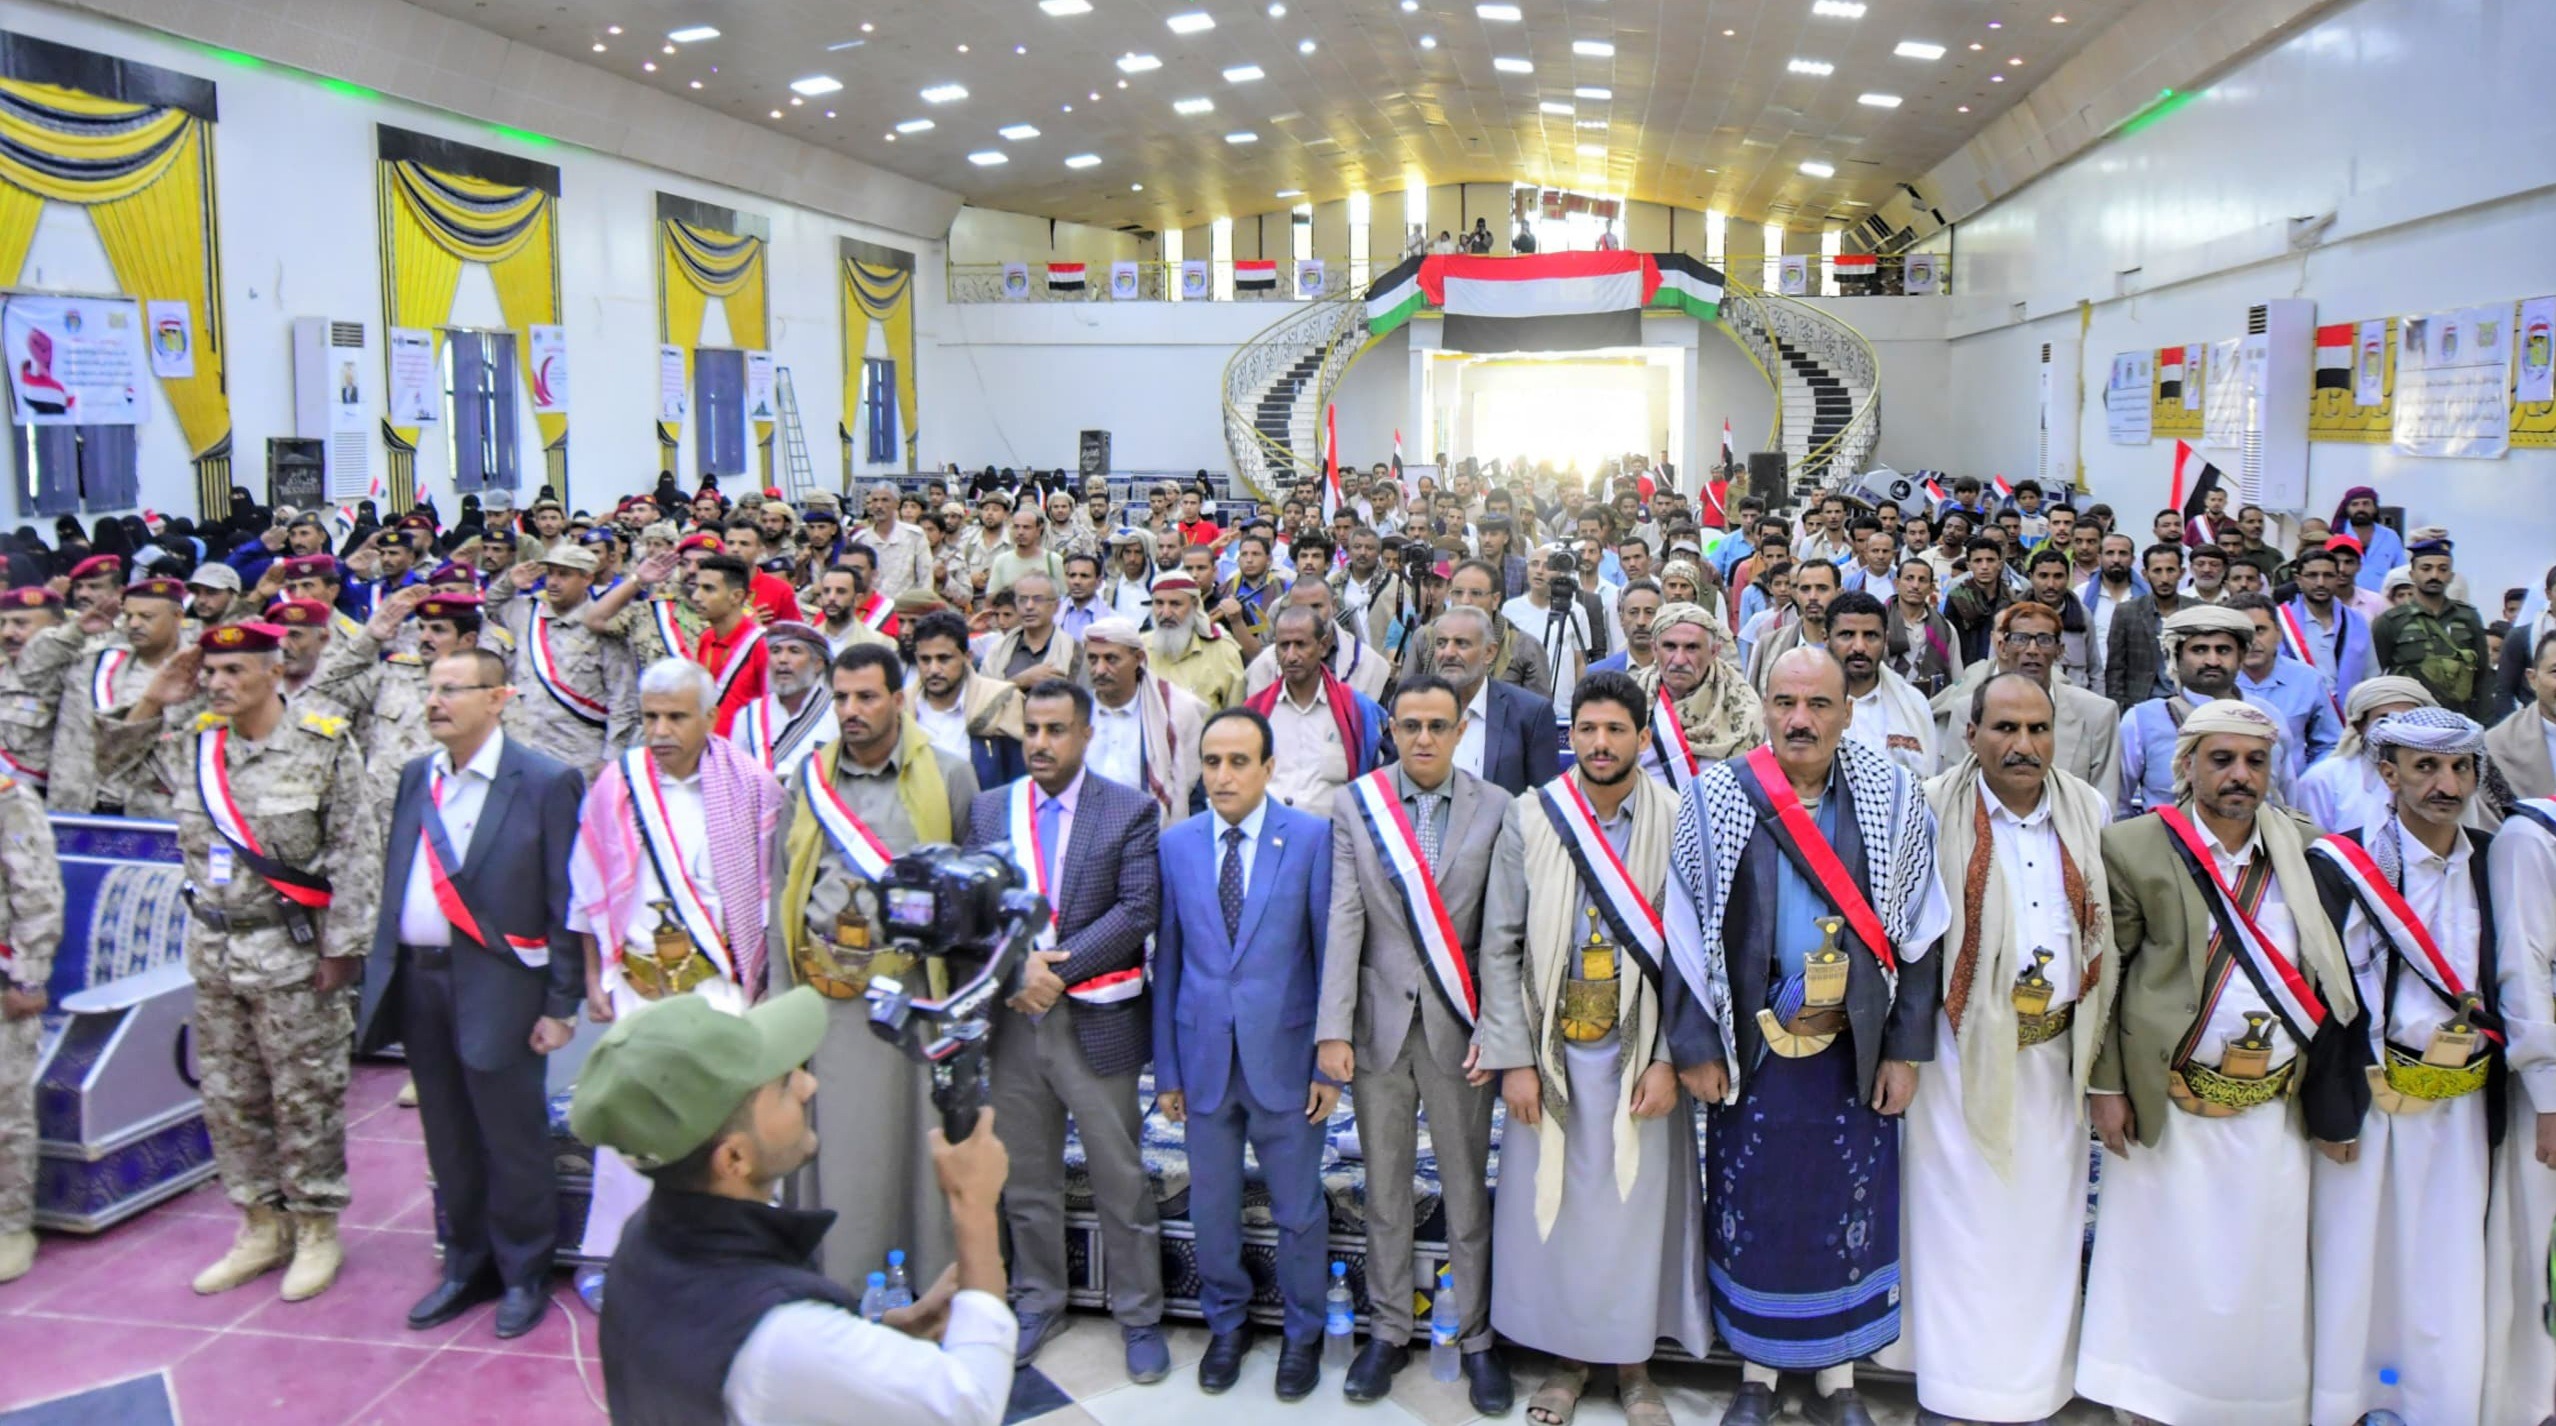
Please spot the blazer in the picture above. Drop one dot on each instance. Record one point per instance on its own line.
(1521, 745)
(2518, 746)
(1248, 999)
(997, 760)
(2162, 930)
(1105, 905)
(2133, 653)
(1374, 981)
(514, 879)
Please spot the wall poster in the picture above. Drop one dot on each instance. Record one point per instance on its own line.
(2355, 382)
(75, 361)
(2225, 387)
(2176, 373)
(549, 368)
(674, 401)
(2129, 403)
(2454, 382)
(414, 391)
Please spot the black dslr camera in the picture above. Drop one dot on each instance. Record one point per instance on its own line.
(967, 923)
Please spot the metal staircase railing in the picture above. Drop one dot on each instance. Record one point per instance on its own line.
(1766, 325)
(1336, 329)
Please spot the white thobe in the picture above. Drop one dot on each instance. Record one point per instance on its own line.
(1873, 720)
(2197, 1297)
(2520, 1357)
(1118, 744)
(946, 727)
(2399, 1251)
(2342, 794)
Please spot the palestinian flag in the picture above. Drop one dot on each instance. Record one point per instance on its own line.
(1687, 285)
(1064, 277)
(2334, 357)
(2169, 374)
(1394, 297)
(1253, 275)
(1551, 302)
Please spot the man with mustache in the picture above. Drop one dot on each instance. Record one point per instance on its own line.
(1886, 715)
(965, 712)
(2434, 639)
(2235, 996)
(1188, 650)
(112, 673)
(580, 689)
(1350, 658)
(2311, 714)
(36, 647)
(2208, 646)
(1996, 1139)
(793, 718)
(2398, 1259)
(2087, 736)
(2379, 547)
(1802, 914)
(1145, 729)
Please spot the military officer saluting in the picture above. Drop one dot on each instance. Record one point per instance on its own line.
(30, 927)
(35, 647)
(388, 691)
(283, 867)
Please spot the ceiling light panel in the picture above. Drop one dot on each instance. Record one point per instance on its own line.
(693, 34)
(945, 94)
(1504, 14)
(1592, 150)
(1018, 132)
(1242, 136)
(1062, 8)
(1083, 160)
(1594, 49)
(1194, 22)
(1918, 49)
(914, 126)
(1838, 9)
(1816, 169)
(1137, 63)
(1878, 101)
(815, 84)
(987, 158)
(1199, 105)
(1555, 106)
(1592, 91)
(1510, 64)
(1810, 66)
(1242, 74)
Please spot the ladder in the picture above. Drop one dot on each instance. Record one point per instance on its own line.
(799, 480)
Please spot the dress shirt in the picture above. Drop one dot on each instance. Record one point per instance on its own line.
(2227, 1020)
(1477, 729)
(1436, 814)
(2027, 852)
(2306, 700)
(2442, 892)
(812, 1362)
(1075, 618)
(2343, 794)
(1118, 744)
(2147, 753)
(946, 728)
(2099, 619)
(1249, 848)
(2547, 730)
(1311, 763)
(1066, 802)
(1129, 599)
(1870, 723)
(421, 920)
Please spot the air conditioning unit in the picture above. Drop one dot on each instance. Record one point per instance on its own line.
(336, 373)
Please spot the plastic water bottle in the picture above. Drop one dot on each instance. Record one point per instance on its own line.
(874, 1298)
(900, 1291)
(1446, 1361)
(1339, 1320)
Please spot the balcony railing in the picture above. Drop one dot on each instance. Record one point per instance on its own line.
(1155, 282)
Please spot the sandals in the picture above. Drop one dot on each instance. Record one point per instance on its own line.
(1555, 1402)
(1642, 1402)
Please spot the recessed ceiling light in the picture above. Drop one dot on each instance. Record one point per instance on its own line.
(1242, 136)
(1132, 63)
(1194, 22)
(962, 49)
(1018, 132)
(1996, 79)
(914, 126)
(612, 29)
(1242, 74)
(987, 158)
(1304, 47)
(1277, 11)
(1410, 7)
(1816, 169)
(1063, 8)
(669, 49)
(2058, 19)
(776, 113)
(1095, 96)
(1506, 14)
(1918, 49)
(815, 84)
(1593, 91)
(1727, 34)
(1996, 24)
(829, 113)
(599, 47)
(1290, 193)
(1878, 101)
(1810, 66)
(1964, 109)
(1555, 106)
(1020, 49)
(1122, 84)
(845, 45)
(796, 101)
(1511, 64)
(1976, 46)
(944, 93)
(691, 34)
(1135, 188)
(1428, 42)
(1838, 9)
(1083, 160)
(2018, 59)
(1065, 108)
(1199, 105)
(891, 138)
(1594, 49)
(1591, 123)
(1592, 150)
(696, 84)
(648, 65)
(867, 27)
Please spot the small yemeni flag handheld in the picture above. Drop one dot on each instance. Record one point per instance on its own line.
(1331, 463)
(1730, 452)
(1935, 491)
(1397, 463)
(2005, 488)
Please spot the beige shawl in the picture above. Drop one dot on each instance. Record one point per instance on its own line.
(1722, 717)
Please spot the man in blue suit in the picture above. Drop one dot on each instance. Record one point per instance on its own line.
(1246, 905)
(1510, 739)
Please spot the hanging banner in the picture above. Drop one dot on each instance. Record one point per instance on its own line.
(1122, 282)
(1918, 276)
(673, 403)
(2223, 418)
(412, 378)
(758, 390)
(2453, 383)
(2128, 410)
(2537, 380)
(1309, 277)
(75, 361)
(549, 368)
(1016, 284)
(2369, 369)
(1194, 280)
(172, 340)
(2348, 396)
(1793, 275)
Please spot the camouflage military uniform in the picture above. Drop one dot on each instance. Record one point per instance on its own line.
(589, 663)
(33, 888)
(31, 701)
(2444, 652)
(388, 695)
(274, 1051)
(636, 627)
(80, 779)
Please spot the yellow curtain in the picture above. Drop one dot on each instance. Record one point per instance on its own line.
(528, 296)
(695, 264)
(876, 292)
(19, 210)
(856, 350)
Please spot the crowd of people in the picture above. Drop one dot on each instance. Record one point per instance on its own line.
(1795, 894)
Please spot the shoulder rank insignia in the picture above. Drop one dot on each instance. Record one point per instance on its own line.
(207, 721)
(327, 725)
(405, 660)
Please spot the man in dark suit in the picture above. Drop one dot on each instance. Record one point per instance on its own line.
(1078, 1033)
(2135, 666)
(1509, 738)
(1246, 891)
(474, 971)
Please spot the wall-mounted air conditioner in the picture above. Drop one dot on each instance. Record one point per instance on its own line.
(335, 375)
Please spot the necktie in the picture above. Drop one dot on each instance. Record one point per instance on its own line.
(1428, 828)
(1050, 813)
(1229, 882)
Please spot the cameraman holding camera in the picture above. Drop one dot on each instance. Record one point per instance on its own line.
(715, 1313)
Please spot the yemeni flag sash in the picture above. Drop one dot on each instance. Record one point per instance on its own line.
(665, 855)
(1668, 740)
(877, 613)
(1109, 987)
(102, 677)
(2294, 636)
(22, 772)
(2275, 978)
(740, 657)
(1630, 914)
(776, 742)
(2388, 909)
(860, 847)
(442, 864)
(1423, 911)
(669, 629)
(213, 786)
(2541, 810)
(545, 667)
(1808, 849)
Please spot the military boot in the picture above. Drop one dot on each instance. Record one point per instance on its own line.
(262, 1246)
(17, 1255)
(317, 1255)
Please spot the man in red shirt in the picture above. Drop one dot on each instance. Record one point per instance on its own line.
(1195, 527)
(775, 601)
(731, 642)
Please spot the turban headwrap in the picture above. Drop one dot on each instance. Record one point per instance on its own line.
(2222, 715)
(2430, 730)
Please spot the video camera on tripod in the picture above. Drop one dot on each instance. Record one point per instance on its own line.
(968, 923)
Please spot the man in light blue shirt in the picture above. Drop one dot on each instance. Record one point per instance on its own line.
(2208, 644)
(2381, 549)
(2309, 709)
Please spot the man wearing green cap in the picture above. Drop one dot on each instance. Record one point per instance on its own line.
(715, 1313)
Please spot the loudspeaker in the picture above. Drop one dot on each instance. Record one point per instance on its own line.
(1767, 479)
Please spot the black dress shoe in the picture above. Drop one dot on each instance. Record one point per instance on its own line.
(1371, 1376)
(450, 1300)
(1222, 1366)
(521, 1310)
(1487, 1382)
(1841, 1407)
(1299, 1369)
(1752, 1405)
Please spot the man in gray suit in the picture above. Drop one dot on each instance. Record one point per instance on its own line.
(1398, 1003)
(473, 969)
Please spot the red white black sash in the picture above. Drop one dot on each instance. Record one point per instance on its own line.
(22, 772)
(876, 611)
(2295, 636)
(443, 864)
(669, 628)
(2275, 977)
(1630, 914)
(213, 787)
(2388, 910)
(2541, 810)
(1668, 742)
(860, 847)
(740, 656)
(1798, 835)
(665, 855)
(1423, 911)
(772, 740)
(545, 667)
(102, 678)
(1107, 988)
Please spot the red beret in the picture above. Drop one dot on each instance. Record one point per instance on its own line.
(31, 596)
(712, 543)
(449, 606)
(450, 571)
(417, 520)
(299, 613)
(168, 589)
(96, 565)
(241, 639)
(312, 567)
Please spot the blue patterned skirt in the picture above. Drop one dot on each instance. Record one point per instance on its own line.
(1801, 1216)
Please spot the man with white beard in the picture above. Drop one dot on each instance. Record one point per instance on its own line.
(794, 718)
(1193, 653)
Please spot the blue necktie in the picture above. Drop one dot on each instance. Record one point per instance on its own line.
(1229, 883)
(1050, 812)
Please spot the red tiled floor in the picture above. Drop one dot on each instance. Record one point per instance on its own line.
(385, 1273)
(475, 1386)
(375, 1086)
(388, 1179)
(284, 1381)
(566, 1330)
(61, 1257)
(149, 1283)
(50, 1357)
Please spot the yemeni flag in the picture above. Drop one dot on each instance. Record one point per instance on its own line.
(1064, 277)
(1255, 275)
(1856, 265)
(2170, 378)
(2191, 493)
(1550, 302)
(2334, 357)
(1394, 297)
(1398, 481)
(1730, 453)
(1331, 464)
(1687, 285)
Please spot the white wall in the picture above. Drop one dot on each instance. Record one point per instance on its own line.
(2419, 125)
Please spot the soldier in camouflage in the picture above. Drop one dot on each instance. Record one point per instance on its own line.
(35, 647)
(215, 596)
(31, 890)
(580, 691)
(309, 629)
(388, 691)
(628, 611)
(2437, 641)
(283, 852)
(100, 684)
(318, 578)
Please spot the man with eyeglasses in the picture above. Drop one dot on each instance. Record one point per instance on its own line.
(2086, 726)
